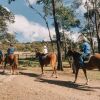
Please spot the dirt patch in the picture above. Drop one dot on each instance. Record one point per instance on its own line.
(29, 85)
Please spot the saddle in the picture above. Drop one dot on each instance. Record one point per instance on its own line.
(9, 58)
(87, 58)
(44, 56)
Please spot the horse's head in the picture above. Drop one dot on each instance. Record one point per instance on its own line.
(37, 53)
(74, 53)
(70, 52)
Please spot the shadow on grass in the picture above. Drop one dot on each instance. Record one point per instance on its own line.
(68, 84)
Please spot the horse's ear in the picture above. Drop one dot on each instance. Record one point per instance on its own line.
(36, 50)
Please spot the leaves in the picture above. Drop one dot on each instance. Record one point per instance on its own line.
(5, 16)
(66, 18)
(9, 1)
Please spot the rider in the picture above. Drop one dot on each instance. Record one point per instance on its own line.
(86, 50)
(10, 50)
(45, 49)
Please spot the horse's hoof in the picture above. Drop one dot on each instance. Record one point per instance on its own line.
(86, 83)
(17, 73)
(3, 72)
(41, 74)
(56, 77)
(74, 81)
(12, 73)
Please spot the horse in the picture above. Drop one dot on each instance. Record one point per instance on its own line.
(12, 60)
(46, 59)
(94, 62)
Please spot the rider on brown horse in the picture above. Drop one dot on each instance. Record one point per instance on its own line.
(10, 53)
(9, 57)
(10, 50)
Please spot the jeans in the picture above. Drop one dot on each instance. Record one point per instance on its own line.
(83, 57)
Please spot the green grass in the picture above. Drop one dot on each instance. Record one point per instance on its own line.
(29, 63)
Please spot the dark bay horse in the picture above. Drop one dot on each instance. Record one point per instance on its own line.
(94, 62)
(12, 60)
(44, 60)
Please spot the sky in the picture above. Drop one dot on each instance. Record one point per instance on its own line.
(29, 26)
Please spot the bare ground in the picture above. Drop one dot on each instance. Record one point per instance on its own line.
(28, 85)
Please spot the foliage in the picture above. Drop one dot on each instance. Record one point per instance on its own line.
(65, 15)
(9, 1)
(5, 16)
(8, 38)
(66, 18)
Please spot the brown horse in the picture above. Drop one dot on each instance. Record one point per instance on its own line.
(94, 62)
(44, 60)
(12, 60)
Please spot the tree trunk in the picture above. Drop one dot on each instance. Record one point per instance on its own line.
(59, 67)
(97, 25)
(49, 34)
(98, 39)
(97, 31)
(90, 33)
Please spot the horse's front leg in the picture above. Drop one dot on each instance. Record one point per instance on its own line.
(4, 67)
(76, 73)
(54, 71)
(85, 73)
(12, 69)
(16, 69)
(42, 69)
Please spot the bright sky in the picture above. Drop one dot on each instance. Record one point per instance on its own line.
(28, 25)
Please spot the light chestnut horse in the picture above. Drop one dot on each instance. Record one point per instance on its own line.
(93, 63)
(12, 60)
(45, 59)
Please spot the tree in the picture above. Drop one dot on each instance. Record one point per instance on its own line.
(57, 36)
(50, 9)
(63, 18)
(8, 38)
(44, 18)
(5, 16)
(66, 20)
(93, 17)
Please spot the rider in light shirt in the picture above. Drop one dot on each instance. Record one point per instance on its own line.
(45, 50)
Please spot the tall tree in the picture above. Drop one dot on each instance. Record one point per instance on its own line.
(44, 17)
(50, 9)
(93, 17)
(57, 36)
(5, 16)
